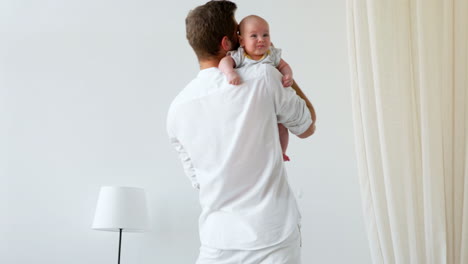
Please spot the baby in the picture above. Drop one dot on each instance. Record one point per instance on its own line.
(256, 47)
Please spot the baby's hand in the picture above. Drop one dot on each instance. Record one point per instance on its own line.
(287, 80)
(233, 78)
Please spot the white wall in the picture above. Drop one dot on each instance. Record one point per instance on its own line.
(84, 90)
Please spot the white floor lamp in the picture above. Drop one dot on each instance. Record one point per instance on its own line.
(121, 209)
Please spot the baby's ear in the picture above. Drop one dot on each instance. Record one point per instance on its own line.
(241, 41)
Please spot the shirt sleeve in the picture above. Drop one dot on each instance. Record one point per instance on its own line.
(237, 56)
(184, 157)
(186, 163)
(275, 56)
(290, 109)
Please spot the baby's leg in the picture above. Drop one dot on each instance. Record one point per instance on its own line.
(284, 140)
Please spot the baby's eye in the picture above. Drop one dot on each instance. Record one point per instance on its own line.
(266, 35)
(253, 35)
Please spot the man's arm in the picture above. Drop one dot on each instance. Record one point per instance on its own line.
(292, 108)
(311, 130)
(186, 162)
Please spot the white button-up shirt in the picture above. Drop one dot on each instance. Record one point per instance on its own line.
(227, 139)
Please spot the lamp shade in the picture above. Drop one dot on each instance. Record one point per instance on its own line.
(121, 208)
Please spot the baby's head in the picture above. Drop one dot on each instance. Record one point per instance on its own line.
(254, 36)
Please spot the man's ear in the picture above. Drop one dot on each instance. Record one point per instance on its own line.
(226, 44)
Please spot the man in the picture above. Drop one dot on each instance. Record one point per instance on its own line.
(227, 139)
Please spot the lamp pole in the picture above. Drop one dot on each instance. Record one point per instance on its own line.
(120, 243)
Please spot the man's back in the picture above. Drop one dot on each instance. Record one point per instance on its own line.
(227, 138)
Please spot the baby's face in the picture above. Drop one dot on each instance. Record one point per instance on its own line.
(255, 38)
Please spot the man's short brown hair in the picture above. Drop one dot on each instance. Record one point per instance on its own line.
(206, 26)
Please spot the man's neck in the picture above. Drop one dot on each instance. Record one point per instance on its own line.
(209, 64)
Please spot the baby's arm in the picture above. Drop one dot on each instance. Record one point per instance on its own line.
(226, 65)
(286, 70)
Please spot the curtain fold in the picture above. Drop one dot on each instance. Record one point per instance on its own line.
(408, 63)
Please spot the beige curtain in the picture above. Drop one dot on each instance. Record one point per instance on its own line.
(409, 74)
